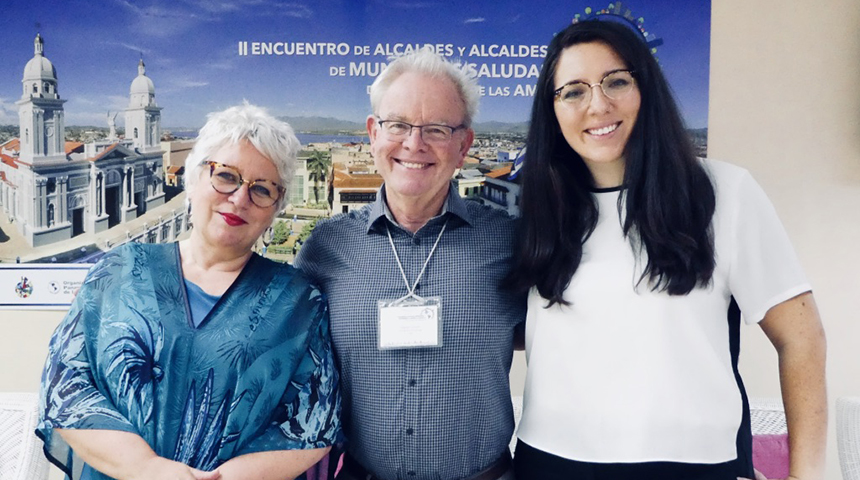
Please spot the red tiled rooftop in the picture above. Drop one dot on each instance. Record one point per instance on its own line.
(104, 152)
(74, 147)
(8, 160)
(500, 172)
(362, 180)
(13, 145)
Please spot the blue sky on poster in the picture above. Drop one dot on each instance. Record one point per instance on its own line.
(192, 51)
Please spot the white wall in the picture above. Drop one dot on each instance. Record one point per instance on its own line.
(785, 103)
(23, 347)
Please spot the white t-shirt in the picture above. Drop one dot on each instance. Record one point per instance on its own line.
(625, 374)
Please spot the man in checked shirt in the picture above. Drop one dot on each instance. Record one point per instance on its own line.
(422, 326)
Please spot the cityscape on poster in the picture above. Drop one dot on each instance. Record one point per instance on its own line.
(109, 166)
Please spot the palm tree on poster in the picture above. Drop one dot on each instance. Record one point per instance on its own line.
(318, 165)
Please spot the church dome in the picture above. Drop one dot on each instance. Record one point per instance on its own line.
(142, 84)
(39, 67)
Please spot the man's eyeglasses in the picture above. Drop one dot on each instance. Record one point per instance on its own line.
(430, 133)
(226, 179)
(615, 85)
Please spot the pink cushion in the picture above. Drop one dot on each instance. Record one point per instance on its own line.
(320, 470)
(770, 455)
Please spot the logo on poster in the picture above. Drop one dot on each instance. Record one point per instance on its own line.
(24, 288)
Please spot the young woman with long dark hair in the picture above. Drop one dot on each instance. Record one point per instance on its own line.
(639, 258)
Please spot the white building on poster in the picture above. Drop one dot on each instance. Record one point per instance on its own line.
(53, 192)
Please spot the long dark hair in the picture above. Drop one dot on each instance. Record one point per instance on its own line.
(668, 195)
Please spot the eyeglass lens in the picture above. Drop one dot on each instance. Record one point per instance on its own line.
(615, 85)
(226, 179)
(429, 133)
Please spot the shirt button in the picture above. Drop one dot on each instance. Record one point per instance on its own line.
(412, 383)
(409, 431)
(416, 240)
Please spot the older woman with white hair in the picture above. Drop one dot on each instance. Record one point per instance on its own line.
(199, 359)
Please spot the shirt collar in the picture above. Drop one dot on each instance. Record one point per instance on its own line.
(454, 205)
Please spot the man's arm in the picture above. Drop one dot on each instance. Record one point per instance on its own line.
(794, 327)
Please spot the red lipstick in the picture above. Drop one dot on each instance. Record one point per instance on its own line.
(232, 220)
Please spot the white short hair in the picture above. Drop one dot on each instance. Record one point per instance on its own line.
(427, 62)
(273, 138)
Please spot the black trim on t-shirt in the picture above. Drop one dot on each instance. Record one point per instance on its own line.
(744, 439)
(607, 189)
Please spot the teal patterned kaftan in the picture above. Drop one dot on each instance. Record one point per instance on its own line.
(256, 375)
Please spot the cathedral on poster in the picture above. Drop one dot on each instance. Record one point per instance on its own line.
(53, 190)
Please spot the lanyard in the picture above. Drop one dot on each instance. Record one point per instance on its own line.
(411, 291)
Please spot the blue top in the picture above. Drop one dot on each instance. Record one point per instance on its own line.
(430, 413)
(256, 375)
(200, 303)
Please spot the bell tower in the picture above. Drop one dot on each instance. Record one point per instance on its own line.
(143, 116)
(40, 111)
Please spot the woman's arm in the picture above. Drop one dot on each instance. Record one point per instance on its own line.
(127, 456)
(273, 465)
(794, 327)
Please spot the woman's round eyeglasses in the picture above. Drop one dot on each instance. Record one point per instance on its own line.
(615, 85)
(227, 179)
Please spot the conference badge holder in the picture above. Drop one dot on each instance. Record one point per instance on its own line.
(409, 322)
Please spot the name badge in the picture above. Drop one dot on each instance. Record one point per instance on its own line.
(411, 322)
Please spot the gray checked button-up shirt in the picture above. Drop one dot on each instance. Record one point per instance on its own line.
(427, 413)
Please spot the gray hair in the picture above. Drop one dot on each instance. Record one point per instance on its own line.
(273, 138)
(427, 62)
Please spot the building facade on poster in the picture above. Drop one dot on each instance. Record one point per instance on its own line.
(54, 190)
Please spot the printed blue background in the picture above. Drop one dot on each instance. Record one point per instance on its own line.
(191, 51)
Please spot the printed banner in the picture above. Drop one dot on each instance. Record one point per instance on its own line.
(92, 147)
(42, 287)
